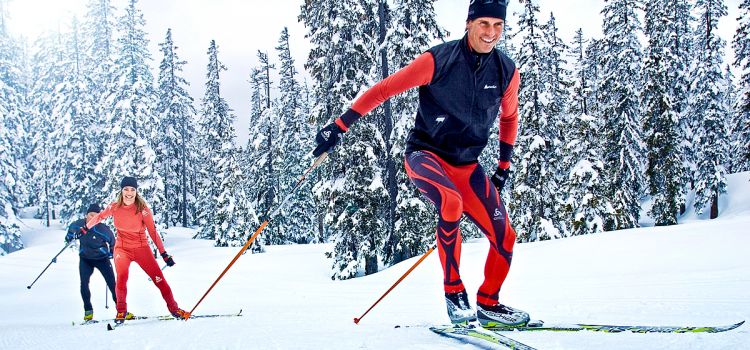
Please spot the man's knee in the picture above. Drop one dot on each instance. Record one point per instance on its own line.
(452, 206)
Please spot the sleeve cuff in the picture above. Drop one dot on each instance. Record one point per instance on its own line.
(506, 151)
(347, 119)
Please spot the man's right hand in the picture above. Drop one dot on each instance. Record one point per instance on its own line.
(76, 235)
(81, 231)
(327, 138)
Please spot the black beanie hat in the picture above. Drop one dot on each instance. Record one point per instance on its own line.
(94, 208)
(487, 8)
(129, 181)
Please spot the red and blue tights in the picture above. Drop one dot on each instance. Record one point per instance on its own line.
(459, 190)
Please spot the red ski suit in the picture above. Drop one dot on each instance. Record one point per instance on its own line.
(132, 245)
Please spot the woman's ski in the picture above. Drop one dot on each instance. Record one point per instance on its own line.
(112, 326)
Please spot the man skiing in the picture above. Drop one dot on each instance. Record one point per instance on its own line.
(463, 85)
(95, 250)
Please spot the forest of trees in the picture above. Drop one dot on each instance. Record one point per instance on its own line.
(606, 125)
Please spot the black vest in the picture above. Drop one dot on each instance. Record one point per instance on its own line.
(458, 107)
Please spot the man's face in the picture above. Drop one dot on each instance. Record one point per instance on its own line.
(484, 33)
(90, 215)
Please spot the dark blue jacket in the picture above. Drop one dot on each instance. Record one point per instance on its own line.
(459, 106)
(97, 244)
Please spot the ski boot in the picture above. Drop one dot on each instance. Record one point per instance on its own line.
(88, 315)
(501, 316)
(122, 316)
(179, 314)
(459, 309)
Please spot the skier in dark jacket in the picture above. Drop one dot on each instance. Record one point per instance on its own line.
(463, 86)
(95, 250)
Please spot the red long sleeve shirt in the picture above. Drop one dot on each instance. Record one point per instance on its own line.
(131, 226)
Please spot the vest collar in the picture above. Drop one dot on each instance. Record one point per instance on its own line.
(475, 60)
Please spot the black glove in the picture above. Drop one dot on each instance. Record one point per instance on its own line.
(167, 259)
(327, 138)
(498, 179)
(76, 235)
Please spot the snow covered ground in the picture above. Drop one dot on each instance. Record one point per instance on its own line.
(695, 273)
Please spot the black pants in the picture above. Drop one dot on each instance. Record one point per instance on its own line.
(86, 268)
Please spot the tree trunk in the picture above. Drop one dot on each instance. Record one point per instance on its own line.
(390, 166)
(184, 181)
(46, 194)
(715, 206)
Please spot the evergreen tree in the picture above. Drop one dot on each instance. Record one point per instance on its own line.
(296, 140)
(360, 195)
(662, 129)
(177, 129)
(97, 38)
(709, 108)
(586, 204)
(46, 74)
(341, 60)
(215, 125)
(741, 46)
(264, 147)
(413, 27)
(234, 215)
(74, 108)
(734, 125)
(12, 110)
(558, 80)
(581, 80)
(10, 230)
(621, 111)
(134, 126)
(531, 196)
(594, 69)
(226, 215)
(13, 128)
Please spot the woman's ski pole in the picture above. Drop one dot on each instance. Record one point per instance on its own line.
(357, 319)
(263, 225)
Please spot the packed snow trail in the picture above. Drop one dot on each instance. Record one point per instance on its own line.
(693, 274)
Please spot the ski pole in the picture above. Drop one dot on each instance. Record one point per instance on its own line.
(54, 260)
(357, 319)
(263, 225)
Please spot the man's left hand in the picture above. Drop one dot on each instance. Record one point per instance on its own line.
(499, 178)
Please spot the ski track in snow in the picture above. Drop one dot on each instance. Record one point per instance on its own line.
(695, 273)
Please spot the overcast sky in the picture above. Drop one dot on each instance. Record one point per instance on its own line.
(242, 27)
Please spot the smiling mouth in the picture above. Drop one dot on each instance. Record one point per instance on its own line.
(488, 41)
